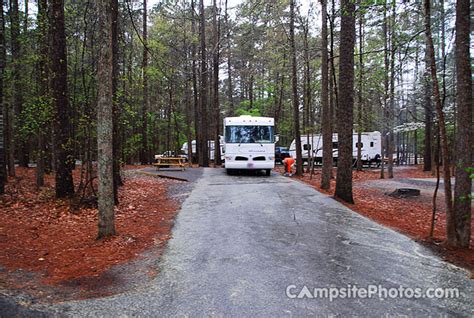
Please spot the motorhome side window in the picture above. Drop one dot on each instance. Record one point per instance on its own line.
(306, 147)
(335, 145)
(371, 144)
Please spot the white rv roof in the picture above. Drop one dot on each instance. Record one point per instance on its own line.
(249, 120)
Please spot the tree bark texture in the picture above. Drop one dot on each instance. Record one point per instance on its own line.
(105, 120)
(59, 90)
(346, 103)
(463, 185)
(326, 120)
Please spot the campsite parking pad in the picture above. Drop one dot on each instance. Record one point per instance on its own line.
(240, 241)
(190, 174)
(425, 185)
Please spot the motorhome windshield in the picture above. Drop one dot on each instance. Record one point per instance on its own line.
(249, 134)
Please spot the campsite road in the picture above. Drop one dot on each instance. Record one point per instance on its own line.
(240, 241)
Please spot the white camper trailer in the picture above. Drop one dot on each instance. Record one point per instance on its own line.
(184, 149)
(312, 145)
(249, 143)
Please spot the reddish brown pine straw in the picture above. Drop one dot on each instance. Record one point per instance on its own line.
(41, 234)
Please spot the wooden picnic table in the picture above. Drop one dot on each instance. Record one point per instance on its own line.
(163, 162)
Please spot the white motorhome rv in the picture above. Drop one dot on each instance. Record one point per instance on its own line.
(312, 145)
(184, 149)
(249, 143)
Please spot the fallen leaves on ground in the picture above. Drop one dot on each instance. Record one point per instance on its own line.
(44, 235)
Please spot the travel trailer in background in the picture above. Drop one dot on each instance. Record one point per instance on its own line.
(312, 145)
(184, 149)
(249, 143)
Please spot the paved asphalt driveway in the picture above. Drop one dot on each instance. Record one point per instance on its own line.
(240, 241)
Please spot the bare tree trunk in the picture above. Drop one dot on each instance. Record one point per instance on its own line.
(116, 100)
(415, 108)
(204, 156)
(333, 77)
(25, 18)
(18, 146)
(294, 81)
(44, 87)
(187, 96)
(24, 155)
(187, 105)
(333, 99)
(428, 137)
(326, 120)
(403, 137)
(386, 115)
(9, 147)
(144, 154)
(307, 94)
(3, 176)
(229, 64)
(360, 106)
(450, 213)
(169, 114)
(391, 111)
(442, 45)
(281, 83)
(251, 98)
(346, 102)
(105, 120)
(17, 100)
(215, 84)
(463, 185)
(197, 119)
(64, 156)
(434, 202)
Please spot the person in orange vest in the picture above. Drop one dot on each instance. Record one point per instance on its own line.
(288, 162)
